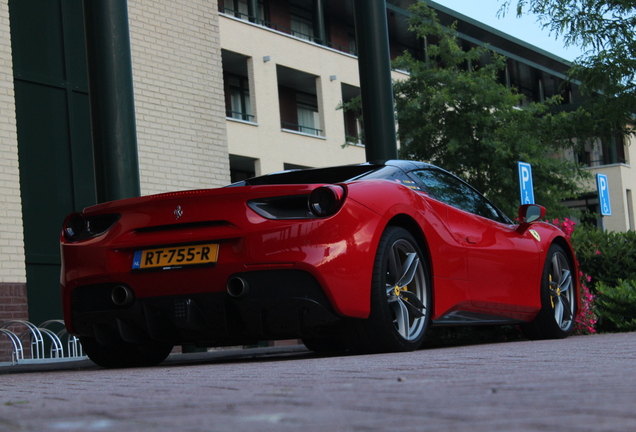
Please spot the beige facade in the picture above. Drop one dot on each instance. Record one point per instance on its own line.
(622, 184)
(178, 82)
(621, 177)
(263, 138)
(12, 265)
(271, 147)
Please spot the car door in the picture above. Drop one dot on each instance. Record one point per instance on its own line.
(503, 265)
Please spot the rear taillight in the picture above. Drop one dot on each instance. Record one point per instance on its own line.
(79, 227)
(326, 200)
(323, 201)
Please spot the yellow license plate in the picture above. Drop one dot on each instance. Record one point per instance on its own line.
(176, 256)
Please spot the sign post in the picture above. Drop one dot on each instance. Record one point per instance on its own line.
(526, 188)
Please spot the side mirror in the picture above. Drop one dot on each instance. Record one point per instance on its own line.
(529, 213)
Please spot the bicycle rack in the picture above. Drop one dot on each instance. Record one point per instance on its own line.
(17, 353)
(36, 336)
(73, 345)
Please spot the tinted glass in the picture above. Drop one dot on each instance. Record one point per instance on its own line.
(315, 175)
(393, 174)
(453, 191)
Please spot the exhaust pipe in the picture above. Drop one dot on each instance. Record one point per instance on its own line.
(237, 287)
(122, 295)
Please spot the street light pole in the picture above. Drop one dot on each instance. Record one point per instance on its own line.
(376, 89)
(111, 96)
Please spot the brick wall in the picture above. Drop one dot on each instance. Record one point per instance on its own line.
(13, 306)
(13, 297)
(12, 267)
(179, 97)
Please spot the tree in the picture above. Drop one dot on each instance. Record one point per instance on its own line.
(454, 112)
(606, 71)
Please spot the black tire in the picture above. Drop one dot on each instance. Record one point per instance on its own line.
(400, 298)
(558, 298)
(125, 355)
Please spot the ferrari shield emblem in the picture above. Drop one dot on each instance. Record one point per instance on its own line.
(535, 235)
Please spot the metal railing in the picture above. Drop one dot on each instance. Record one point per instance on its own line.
(238, 115)
(300, 128)
(286, 30)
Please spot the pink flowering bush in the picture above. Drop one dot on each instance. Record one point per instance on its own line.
(566, 225)
(585, 322)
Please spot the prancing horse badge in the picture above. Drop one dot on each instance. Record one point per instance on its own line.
(535, 235)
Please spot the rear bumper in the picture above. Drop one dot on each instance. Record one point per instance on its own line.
(336, 253)
(280, 304)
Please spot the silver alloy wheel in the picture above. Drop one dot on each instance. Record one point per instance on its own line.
(406, 289)
(561, 291)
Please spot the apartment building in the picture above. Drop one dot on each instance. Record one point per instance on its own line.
(223, 90)
(289, 64)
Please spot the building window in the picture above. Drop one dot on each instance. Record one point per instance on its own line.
(239, 98)
(241, 168)
(298, 101)
(606, 152)
(302, 28)
(308, 117)
(524, 78)
(353, 44)
(352, 116)
(238, 103)
(240, 9)
(302, 24)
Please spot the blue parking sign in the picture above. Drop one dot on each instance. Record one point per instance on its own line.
(603, 194)
(526, 189)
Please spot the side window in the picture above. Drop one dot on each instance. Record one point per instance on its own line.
(453, 191)
(395, 175)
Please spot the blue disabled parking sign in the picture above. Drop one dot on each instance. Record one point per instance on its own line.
(603, 194)
(526, 188)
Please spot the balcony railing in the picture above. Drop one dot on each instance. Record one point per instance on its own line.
(286, 30)
(239, 115)
(300, 128)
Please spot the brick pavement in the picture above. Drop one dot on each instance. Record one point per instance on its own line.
(583, 383)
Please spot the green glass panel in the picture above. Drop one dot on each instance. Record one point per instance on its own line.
(37, 38)
(44, 292)
(45, 166)
(54, 138)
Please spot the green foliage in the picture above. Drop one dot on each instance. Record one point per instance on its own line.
(607, 257)
(604, 29)
(616, 306)
(452, 111)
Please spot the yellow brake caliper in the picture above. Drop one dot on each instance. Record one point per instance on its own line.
(557, 291)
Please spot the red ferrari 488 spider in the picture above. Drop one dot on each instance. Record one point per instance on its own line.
(361, 257)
